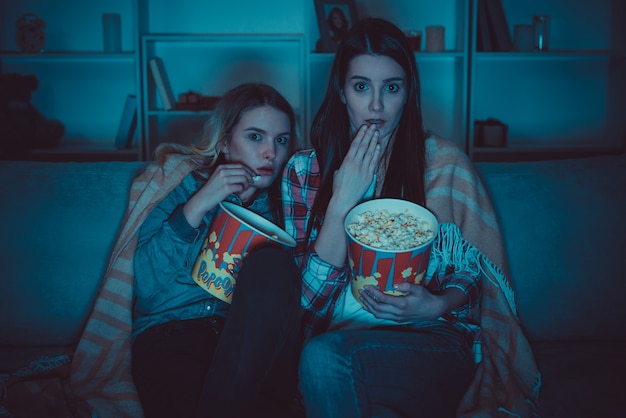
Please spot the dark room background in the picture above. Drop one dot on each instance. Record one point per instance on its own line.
(570, 97)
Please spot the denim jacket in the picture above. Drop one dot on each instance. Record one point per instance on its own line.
(166, 251)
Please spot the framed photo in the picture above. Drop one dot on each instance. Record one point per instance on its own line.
(334, 18)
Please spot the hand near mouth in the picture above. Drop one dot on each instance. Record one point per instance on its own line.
(356, 172)
(265, 171)
(226, 179)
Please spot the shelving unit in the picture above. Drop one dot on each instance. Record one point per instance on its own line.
(568, 101)
(210, 48)
(213, 64)
(79, 84)
(564, 102)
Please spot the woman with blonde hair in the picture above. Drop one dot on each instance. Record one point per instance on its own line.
(192, 353)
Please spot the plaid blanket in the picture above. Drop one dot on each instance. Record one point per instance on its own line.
(507, 380)
(100, 370)
(100, 381)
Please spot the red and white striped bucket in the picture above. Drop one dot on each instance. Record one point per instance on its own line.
(235, 232)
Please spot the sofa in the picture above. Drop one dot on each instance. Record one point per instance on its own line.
(563, 222)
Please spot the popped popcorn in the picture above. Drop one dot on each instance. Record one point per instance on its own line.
(390, 231)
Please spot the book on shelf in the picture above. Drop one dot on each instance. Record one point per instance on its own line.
(499, 29)
(483, 39)
(128, 124)
(163, 83)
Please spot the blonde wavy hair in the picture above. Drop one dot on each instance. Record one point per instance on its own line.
(226, 116)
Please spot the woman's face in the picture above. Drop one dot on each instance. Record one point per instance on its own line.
(337, 21)
(261, 141)
(374, 93)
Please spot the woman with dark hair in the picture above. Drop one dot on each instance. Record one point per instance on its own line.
(452, 343)
(194, 354)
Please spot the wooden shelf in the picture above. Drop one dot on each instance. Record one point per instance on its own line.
(562, 56)
(279, 60)
(66, 55)
(572, 93)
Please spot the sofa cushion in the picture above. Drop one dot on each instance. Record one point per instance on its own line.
(564, 228)
(58, 222)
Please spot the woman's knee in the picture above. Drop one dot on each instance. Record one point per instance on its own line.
(322, 354)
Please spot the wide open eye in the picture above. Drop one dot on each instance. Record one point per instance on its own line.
(360, 86)
(283, 140)
(393, 88)
(255, 137)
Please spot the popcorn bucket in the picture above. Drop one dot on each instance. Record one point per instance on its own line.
(393, 254)
(234, 233)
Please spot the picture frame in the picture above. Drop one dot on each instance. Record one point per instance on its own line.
(344, 12)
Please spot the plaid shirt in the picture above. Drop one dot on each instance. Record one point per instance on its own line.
(322, 283)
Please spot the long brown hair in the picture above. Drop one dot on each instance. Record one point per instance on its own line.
(330, 131)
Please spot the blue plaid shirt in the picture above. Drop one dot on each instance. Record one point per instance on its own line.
(457, 266)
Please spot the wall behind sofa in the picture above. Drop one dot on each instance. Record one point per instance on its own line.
(579, 100)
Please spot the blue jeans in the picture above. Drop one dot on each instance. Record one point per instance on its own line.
(386, 372)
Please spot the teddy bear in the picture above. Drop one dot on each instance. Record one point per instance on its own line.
(22, 126)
